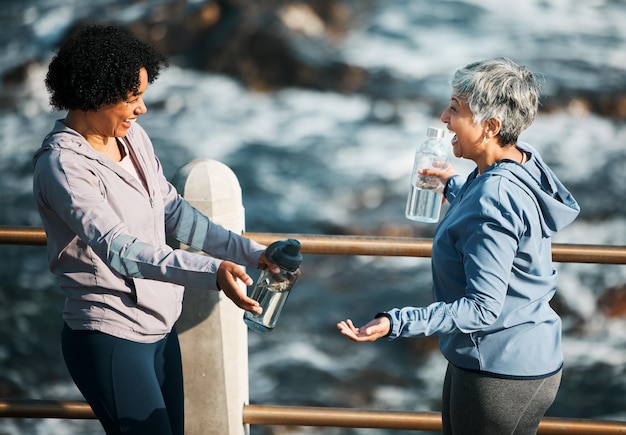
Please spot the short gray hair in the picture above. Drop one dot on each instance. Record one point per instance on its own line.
(499, 88)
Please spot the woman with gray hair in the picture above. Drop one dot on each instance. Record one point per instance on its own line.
(492, 270)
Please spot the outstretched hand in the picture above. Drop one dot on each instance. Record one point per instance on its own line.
(371, 331)
(228, 275)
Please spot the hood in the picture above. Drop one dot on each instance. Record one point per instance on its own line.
(63, 137)
(558, 208)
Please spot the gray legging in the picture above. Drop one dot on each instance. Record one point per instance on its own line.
(479, 404)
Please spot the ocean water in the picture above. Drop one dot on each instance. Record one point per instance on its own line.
(321, 162)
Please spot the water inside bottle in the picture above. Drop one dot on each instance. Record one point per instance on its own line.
(271, 295)
(423, 205)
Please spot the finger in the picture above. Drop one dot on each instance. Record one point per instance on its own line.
(346, 329)
(246, 303)
(266, 263)
(239, 273)
(253, 308)
(237, 294)
(352, 327)
(346, 325)
(343, 325)
(348, 333)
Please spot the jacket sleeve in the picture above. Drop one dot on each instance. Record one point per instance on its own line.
(452, 188)
(489, 244)
(70, 188)
(189, 226)
(194, 229)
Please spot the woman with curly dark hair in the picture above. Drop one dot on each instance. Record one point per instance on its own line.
(107, 208)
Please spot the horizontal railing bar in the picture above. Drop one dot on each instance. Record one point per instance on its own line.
(312, 416)
(414, 247)
(29, 408)
(364, 245)
(353, 245)
(22, 236)
(342, 417)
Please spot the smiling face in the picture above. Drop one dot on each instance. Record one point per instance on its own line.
(110, 120)
(468, 136)
(114, 120)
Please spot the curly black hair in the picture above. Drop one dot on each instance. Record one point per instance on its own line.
(99, 64)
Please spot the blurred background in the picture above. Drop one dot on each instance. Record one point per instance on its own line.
(318, 106)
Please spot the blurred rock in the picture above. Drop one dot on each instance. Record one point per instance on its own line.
(572, 320)
(271, 44)
(267, 45)
(613, 302)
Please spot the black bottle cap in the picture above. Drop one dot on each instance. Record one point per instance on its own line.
(285, 253)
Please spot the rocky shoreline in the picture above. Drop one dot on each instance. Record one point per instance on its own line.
(274, 44)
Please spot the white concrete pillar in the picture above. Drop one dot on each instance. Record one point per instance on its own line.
(213, 337)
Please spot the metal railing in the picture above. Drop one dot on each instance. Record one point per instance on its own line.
(362, 245)
(313, 416)
(333, 417)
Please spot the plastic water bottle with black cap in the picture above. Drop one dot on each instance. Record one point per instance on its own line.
(271, 290)
(426, 193)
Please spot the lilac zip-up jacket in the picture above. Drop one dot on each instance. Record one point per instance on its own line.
(107, 237)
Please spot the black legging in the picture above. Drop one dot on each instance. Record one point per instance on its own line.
(133, 388)
(478, 404)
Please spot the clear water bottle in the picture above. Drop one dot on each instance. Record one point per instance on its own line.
(271, 290)
(424, 201)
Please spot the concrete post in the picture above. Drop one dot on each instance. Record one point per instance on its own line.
(213, 337)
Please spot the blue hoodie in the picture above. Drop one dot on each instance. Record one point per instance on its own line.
(493, 276)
